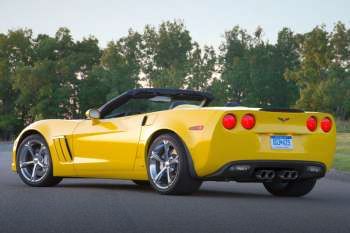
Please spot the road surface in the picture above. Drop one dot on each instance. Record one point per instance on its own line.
(91, 205)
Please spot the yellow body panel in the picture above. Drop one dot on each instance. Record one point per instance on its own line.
(106, 148)
(117, 148)
(52, 131)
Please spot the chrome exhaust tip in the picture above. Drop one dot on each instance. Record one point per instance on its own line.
(288, 175)
(265, 174)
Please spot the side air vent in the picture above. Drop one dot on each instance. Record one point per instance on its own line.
(281, 110)
(62, 149)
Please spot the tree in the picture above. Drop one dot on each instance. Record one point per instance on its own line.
(49, 86)
(58, 77)
(268, 63)
(166, 54)
(15, 50)
(234, 62)
(202, 68)
(117, 72)
(323, 75)
(253, 70)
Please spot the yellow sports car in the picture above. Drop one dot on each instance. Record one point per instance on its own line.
(173, 141)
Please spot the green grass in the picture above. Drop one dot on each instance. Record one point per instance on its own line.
(342, 158)
(343, 126)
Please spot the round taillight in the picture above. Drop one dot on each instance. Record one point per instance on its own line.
(248, 121)
(311, 123)
(229, 121)
(326, 124)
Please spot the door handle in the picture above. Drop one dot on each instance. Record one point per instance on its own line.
(144, 120)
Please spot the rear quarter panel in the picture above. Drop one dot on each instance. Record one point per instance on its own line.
(178, 121)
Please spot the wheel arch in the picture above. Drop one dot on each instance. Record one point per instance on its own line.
(26, 134)
(20, 139)
(159, 132)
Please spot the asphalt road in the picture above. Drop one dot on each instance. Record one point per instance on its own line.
(120, 206)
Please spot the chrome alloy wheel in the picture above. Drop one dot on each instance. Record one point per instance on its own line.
(164, 164)
(34, 161)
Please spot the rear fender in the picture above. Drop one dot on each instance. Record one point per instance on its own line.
(178, 122)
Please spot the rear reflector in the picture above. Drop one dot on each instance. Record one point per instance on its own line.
(314, 169)
(326, 124)
(311, 123)
(248, 121)
(229, 121)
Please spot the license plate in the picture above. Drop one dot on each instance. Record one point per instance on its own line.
(281, 142)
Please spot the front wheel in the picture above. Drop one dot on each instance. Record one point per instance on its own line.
(290, 189)
(168, 168)
(34, 164)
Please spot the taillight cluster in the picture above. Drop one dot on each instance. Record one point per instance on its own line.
(311, 123)
(325, 123)
(229, 121)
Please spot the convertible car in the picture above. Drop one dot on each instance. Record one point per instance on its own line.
(171, 140)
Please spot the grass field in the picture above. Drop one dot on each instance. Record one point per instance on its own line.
(342, 158)
(343, 126)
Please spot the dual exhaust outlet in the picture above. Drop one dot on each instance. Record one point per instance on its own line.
(271, 174)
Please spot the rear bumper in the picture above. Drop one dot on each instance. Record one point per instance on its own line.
(251, 170)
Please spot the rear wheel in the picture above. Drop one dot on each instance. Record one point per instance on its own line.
(290, 189)
(168, 168)
(34, 164)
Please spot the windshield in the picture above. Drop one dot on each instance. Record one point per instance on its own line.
(145, 105)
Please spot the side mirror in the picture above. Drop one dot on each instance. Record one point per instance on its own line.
(92, 114)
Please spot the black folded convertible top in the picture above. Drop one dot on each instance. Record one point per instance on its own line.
(144, 93)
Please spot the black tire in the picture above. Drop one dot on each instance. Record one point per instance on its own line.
(290, 189)
(47, 179)
(143, 183)
(183, 183)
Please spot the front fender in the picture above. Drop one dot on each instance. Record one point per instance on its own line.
(48, 129)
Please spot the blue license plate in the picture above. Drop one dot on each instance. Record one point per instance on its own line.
(281, 142)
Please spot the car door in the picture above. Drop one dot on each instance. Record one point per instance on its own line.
(106, 147)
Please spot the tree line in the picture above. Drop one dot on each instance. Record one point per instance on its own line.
(57, 77)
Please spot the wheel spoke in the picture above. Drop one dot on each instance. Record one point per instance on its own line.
(174, 160)
(159, 175)
(25, 164)
(30, 149)
(34, 172)
(42, 165)
(168, 175)
(166, 149)
(46, 159)
(155, 156)
(42, 148)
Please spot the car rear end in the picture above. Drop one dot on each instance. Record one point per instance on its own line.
(258, 145)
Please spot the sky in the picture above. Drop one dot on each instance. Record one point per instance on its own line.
(206, 20)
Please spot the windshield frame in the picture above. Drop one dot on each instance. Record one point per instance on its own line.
(145, 93)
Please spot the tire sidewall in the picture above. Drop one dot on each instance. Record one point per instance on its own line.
(48, 175)
(178, 146)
